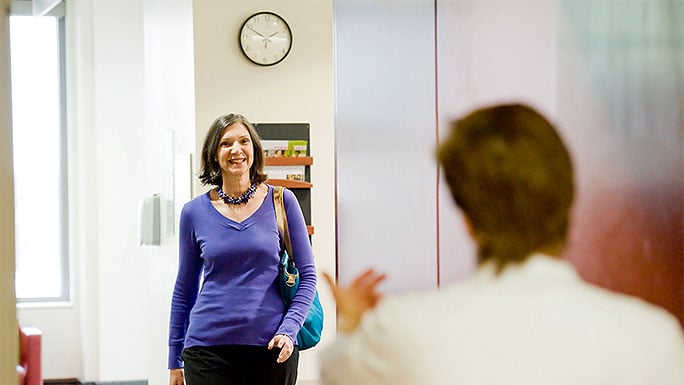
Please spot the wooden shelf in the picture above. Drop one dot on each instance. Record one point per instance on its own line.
(288, 161)
(289, 183)
(281, 167)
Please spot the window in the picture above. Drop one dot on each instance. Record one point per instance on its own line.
(39, 146)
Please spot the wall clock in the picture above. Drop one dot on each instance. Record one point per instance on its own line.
(265, 38)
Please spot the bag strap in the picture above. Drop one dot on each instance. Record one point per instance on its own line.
(281, 220)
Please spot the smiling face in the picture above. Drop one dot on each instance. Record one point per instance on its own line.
(212, 171)
(235, 151)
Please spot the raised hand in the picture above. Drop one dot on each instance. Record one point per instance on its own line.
(357, 298)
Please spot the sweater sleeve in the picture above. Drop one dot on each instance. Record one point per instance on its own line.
(303, 257)
(186, 287)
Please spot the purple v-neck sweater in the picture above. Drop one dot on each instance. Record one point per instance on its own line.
(226, 290)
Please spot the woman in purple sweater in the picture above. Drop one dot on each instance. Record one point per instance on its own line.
(228, 323)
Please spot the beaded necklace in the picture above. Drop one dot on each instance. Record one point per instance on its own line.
(242, 199)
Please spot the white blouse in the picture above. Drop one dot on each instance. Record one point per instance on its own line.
(536, 323)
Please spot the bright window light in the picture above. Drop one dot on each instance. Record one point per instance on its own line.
(39, 159)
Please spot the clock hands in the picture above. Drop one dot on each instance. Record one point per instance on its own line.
(255, 31)
(265, 39)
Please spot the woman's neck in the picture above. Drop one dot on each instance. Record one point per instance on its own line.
(235, 185)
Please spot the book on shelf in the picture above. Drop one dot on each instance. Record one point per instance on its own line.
(286, 148)
(285, 172)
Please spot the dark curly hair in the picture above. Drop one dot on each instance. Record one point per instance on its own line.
(510, 173)
(210, 171)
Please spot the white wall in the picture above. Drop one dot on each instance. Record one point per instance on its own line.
(8, 321)
(120, 153)
(170, 135)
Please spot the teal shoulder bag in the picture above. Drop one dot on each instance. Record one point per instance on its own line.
(288, 278)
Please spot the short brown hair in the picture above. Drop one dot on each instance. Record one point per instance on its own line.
(210, 171)
(510, 173)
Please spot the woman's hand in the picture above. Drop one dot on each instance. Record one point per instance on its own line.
(176, 377)
(353, 301)
(285, 344)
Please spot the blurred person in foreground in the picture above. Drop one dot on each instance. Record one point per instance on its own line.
(525, 316)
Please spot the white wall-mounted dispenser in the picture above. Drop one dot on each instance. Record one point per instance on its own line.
(149, 221)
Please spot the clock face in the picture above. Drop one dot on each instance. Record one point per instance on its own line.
(265, 38)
